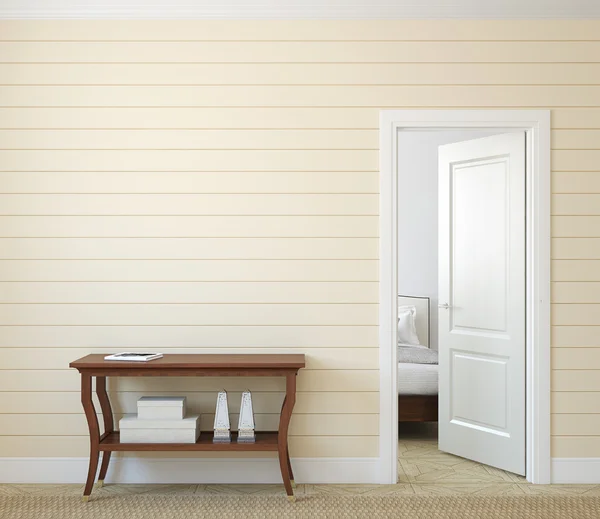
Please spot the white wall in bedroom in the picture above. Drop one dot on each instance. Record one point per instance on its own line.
(418, 215)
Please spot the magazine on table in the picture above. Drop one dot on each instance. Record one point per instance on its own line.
(134, 357)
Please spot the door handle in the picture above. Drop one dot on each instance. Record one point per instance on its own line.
(445, 306)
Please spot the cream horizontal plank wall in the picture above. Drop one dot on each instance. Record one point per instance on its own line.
(213, 186)
(347, 402)
(301, 424)
(284, 182)
(203, 139)
(300, 74)
(312, 446)
(258, 96)
(310, 380)
(189, 248)
(189, 292)
(161, 337)
(189, 270)
(291, 139)
(316, 358)
(169, 52)
(215, 139)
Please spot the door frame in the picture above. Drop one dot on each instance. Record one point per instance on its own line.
(536, 125)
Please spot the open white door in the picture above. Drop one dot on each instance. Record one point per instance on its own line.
(482, 296)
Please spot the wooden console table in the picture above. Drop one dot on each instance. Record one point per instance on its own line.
(193, 365)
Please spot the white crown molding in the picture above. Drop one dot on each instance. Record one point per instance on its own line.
(191, 470)
(298, 9)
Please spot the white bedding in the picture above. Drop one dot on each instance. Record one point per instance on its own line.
(417, 379)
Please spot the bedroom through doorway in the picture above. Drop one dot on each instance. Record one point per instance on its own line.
(459, 273)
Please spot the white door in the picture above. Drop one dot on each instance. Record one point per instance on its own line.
(482, 282)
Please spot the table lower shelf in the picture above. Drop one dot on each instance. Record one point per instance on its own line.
(265, 441)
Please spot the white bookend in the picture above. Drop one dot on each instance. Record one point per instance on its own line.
(222, 429)
(246, 422)
(134, 430)
(161, 407)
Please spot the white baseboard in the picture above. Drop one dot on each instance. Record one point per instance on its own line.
(576, 470)
(191, 470)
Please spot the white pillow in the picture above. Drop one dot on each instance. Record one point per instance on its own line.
(407, 330)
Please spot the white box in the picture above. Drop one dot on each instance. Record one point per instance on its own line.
(134, 430)
(161, 407)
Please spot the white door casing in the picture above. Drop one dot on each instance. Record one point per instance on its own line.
(536, 124)
(482, 336)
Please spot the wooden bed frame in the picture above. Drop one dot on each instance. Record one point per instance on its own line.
(418, 408)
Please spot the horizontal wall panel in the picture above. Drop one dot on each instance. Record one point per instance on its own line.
(314, 381)
(109, 338)
(580, 182)
(576, 139)
(576, 358)
(575, 446)
(576, 292)
(575, 336)
(576, 226)
(573, 402)
(291, 30)
(182, 204)
(576, 118)
(189, 292)
(576, 270)
(576, 160)
(300, 446)
(376, 96)
(189, 248)
(189, 182)
(189, 160)
(126, 402)
(316, 358)
(131, 116)
(575, 424)
(576, 248)
(574, 314)
(189, 270)
(297, 74)
(178, 117)
(575, 380)
(188, 314)
(301, 425)
(580, 204)
(188, 226)
(297, 52)
(249, 139)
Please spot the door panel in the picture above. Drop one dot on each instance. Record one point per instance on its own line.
(482, 277)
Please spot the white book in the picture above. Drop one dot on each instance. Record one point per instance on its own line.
(134, 430)
(160, 435)
(134, 357)
(161, 407)
(132, 421)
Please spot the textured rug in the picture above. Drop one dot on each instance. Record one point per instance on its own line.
(307, 507)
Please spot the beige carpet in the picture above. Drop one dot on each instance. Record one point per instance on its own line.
(307, 506)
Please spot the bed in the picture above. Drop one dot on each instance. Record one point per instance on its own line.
(418, 383)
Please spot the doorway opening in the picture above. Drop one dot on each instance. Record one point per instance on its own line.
(464, 294)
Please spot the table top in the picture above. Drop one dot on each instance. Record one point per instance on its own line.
(196, 361)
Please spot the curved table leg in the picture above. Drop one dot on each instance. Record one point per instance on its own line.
(92, 420)
(289, 465)
(284, 422)
(107, 416)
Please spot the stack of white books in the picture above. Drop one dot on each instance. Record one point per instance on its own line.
(160, 419)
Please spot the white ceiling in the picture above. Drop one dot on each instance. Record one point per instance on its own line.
(299, 9)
